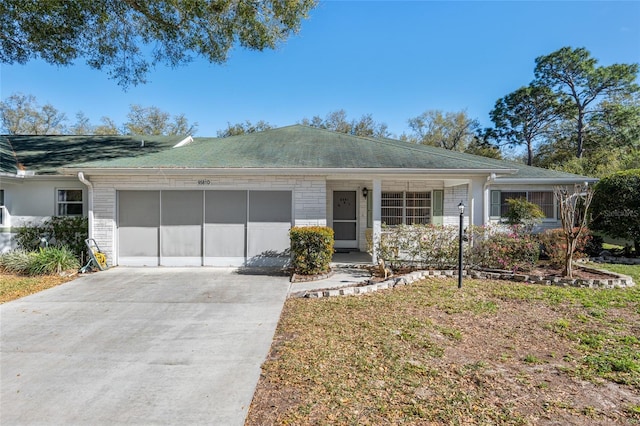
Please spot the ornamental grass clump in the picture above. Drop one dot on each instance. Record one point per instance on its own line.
(16, 261)
(52, 260)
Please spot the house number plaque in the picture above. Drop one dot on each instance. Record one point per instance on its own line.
(204, 182)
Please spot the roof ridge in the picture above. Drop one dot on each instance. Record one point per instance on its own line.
(442, 151)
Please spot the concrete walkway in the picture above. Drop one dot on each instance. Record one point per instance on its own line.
(138, 346)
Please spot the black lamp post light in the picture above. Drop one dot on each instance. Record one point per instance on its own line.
(461, 210)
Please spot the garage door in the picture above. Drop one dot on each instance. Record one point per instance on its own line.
(225, 228)
(138, 228)
(189, 228)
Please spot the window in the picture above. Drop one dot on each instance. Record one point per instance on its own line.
(69, 202)
(406, 208)
(543, 199)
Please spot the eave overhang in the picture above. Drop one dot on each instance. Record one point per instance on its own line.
(282, 171)
(544, 181)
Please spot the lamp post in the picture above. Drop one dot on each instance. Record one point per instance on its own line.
(461, 209)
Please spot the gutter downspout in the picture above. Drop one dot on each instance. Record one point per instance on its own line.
(487, 198)
(90, 202)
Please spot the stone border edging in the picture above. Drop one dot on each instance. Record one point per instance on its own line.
(295, 278)
(616, 259)
(621, 281)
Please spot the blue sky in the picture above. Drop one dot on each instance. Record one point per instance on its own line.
(391, 59)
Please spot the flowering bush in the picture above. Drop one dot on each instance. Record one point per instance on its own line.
(419, 246)
(554, 246)
(510, 248)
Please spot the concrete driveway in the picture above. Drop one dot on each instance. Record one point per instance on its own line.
(138, 346)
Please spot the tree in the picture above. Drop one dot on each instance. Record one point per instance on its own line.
(451, 130)
(337, 121)
(243, 128)
(616, 123)
(482, 146)
(573, 208)
(108, 127)
(153, 121)
(525, 117)
(21, 115)
(614, 135)
(82, 125)
(574, 73)
(128, 37)
(616, 206)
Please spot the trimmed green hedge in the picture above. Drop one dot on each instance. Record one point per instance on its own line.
(311, 249)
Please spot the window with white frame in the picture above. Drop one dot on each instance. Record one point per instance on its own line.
(543, 199)
(69, 202)
(408, 208)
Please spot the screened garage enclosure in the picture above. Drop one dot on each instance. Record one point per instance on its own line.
(203, 227)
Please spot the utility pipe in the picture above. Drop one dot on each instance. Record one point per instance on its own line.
(90, 202)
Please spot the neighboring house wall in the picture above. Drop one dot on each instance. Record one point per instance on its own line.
(30, 201)
(33, 200)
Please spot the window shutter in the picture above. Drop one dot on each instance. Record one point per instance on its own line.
(438, 207)
(495, 204)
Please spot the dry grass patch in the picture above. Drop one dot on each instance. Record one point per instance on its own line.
(491, 353)
(14, 286)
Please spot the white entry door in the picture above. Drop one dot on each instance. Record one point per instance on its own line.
(345, 219)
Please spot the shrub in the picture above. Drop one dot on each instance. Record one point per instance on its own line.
(28, 237)
(52, 260)
(594, 245)
(16, 261)
(419, 245)
(438, 245)
(311, 249)
(59, 231)
(523, 212)
(554, 246)
(510, 248)
(615, 204)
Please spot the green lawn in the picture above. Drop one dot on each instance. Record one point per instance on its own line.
(15, 286)
(632, 270)
(491, 353)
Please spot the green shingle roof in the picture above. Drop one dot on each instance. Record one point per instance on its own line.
(301, 146)
(48, 153)
(292, 147)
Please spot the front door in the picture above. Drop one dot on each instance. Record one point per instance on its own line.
(345, 219)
